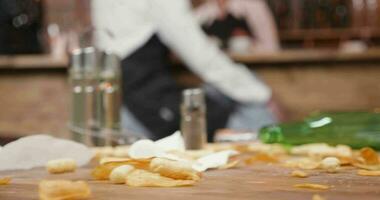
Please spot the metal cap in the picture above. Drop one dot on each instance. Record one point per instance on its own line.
(76, 60)
(193, 97)
(110, 60)
(90, 59)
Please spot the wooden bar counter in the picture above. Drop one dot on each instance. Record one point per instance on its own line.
(256, 182)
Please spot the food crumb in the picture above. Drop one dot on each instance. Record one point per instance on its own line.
(318, 197)
(312, 186)
(299, 174)
(5, 180)
(368, 173)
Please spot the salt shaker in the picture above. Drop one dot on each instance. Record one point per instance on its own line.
(110, 96)
(76, 73)
(193, 118)
(90, 64)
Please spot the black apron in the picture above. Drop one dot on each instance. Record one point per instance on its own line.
(152, 95)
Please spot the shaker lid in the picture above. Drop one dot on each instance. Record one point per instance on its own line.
(76, 59)
(193, 97)
(90, 63)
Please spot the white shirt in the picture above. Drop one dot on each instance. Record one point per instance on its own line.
(123, 26)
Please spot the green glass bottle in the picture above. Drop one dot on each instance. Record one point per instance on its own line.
(356, 129)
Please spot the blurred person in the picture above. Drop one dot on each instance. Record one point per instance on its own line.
(234, 22)
(142, 32)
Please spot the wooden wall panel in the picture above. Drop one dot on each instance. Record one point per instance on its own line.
(32, 103)
(38, 102)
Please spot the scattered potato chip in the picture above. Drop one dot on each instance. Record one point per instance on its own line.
(143, 178)
(121, 151)
(299, 174)
(102, 172)
(370, 156)
(322, 150)
(317, 197)
(367, 167)
(331, 164)
(61, 166)
(273, 149)
(5, 180)
(119, 174)
(174, 169)
(262, 157)
(312, 186)
(308, 164)
(105, 160)
(63, 190)
(346, 160)
(368, 173)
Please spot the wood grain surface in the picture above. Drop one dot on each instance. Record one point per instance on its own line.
(257, 182)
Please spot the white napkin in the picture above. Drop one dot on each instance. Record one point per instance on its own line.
(214, 160)
(143, 149)
(172, 142)
(35, 151)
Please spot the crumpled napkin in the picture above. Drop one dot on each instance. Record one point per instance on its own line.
(35, 151)
(144, 149)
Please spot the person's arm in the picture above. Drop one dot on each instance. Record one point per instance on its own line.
(261, 23)
(178, 29)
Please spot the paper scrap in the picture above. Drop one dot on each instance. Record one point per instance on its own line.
(35, 151)
(172, 142)
(214, 160)
(143, 149)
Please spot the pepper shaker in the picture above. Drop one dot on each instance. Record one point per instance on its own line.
(193, 118)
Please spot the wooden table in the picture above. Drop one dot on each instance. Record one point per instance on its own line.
(260, 181)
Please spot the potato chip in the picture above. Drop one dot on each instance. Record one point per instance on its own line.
(103, 171)
(308, 164)
(63, 190)
(317, 197)
(121, 151)
(262, 157)
(322, 150)
(119, 174)
(368, 173)
(370, 156)
(273, 149)
(367, 167)
(312, 186)
(5, 180)
(345, 161)
(59, 166)
(174, 169)
(105, 160)
(299, 174)
(331, 164)
(143, 178)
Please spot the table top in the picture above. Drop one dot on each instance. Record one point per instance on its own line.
(259, 181)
